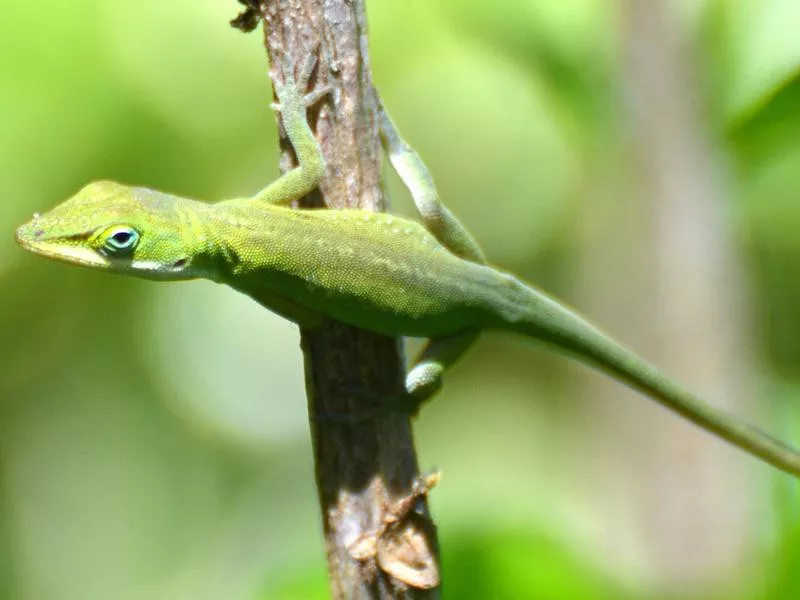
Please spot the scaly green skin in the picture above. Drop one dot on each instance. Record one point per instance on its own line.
(374, 271)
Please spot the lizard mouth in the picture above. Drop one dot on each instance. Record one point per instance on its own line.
(78, 255)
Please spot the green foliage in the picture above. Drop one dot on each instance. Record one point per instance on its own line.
(519, 564)
(153, 446)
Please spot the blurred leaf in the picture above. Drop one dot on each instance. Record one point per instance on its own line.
(785, 580)
(253, 396)
(189, 53)
(764, 52)
(770, 133)
(311, 584)
(769, 151)
(569, 46)
(511, 565)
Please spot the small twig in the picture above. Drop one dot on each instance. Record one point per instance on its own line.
(248, 19)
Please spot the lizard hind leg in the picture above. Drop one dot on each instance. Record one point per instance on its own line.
(424, 379)
(422, 382)
(418, 179)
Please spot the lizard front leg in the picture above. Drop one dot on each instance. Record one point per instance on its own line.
(292, 104)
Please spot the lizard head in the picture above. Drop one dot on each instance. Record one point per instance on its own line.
(113, 227)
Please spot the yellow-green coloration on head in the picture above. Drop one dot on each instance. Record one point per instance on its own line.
(133, 231)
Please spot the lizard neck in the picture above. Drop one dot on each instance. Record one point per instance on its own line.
(243, 238)
(194, 231)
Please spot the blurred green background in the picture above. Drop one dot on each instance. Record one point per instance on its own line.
(639, 159)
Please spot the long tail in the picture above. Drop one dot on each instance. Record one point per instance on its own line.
(546, 320)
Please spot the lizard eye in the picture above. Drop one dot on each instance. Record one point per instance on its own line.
(121, 240)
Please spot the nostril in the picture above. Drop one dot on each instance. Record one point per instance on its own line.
(180, 263)
(38, 233)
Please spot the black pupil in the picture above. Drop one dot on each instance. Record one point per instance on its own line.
(122, 237)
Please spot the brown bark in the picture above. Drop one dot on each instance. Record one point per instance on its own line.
(379, 539)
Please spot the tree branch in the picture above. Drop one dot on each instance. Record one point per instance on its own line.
(379, 539)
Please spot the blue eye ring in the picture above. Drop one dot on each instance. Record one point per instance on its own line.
(120, 240)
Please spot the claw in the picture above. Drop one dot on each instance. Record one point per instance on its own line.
(317, 95)
(307, 68)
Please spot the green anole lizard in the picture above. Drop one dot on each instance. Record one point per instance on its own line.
(374, 271)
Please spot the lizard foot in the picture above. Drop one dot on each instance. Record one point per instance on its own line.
(292, 98)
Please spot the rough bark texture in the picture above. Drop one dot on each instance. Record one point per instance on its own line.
(379, 538)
